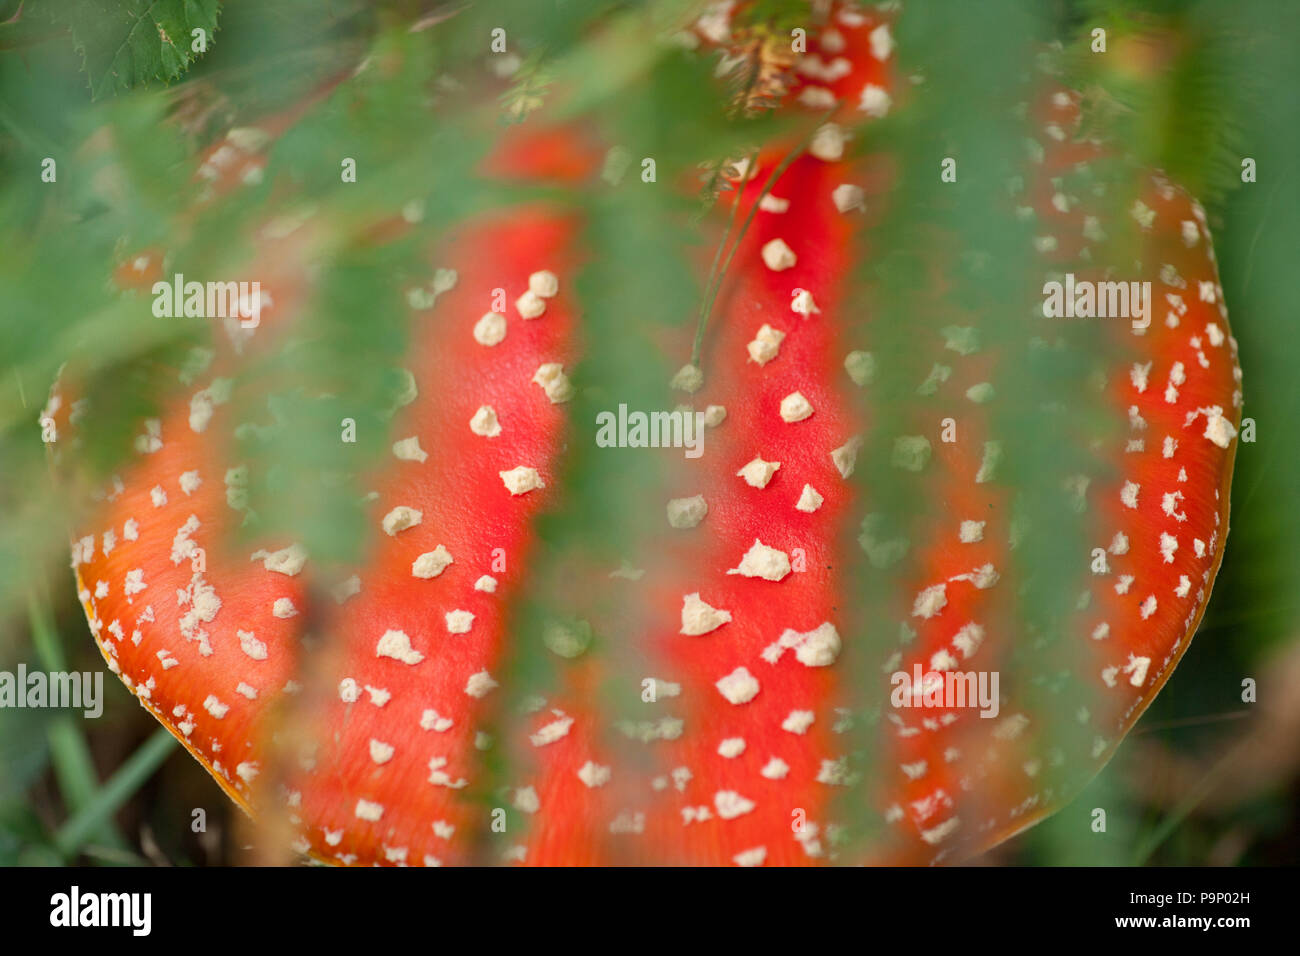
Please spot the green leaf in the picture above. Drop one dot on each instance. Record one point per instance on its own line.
(128, 43)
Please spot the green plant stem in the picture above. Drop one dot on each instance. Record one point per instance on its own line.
(69, 751)
(715, 284)
(138, 768)
(711, 289)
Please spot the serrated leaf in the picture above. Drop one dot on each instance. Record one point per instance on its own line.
(129, 43)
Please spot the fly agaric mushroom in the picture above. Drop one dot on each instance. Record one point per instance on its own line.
(745, 587)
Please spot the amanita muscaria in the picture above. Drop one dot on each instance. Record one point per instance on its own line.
(746, 651)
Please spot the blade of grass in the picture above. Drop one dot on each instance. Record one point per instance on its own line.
(111, 856)
(1179, 813)
(69, 752)
(138, 768)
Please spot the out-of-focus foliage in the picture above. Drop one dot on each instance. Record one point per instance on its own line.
(121, 44)
(126, 43)
(956, 255)
(1191, 87)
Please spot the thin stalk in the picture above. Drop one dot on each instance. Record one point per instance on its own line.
(710, 290)
(716, 282)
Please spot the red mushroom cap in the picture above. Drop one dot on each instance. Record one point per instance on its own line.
(739, 605)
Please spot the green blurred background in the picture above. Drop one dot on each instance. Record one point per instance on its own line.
(1203, 779)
